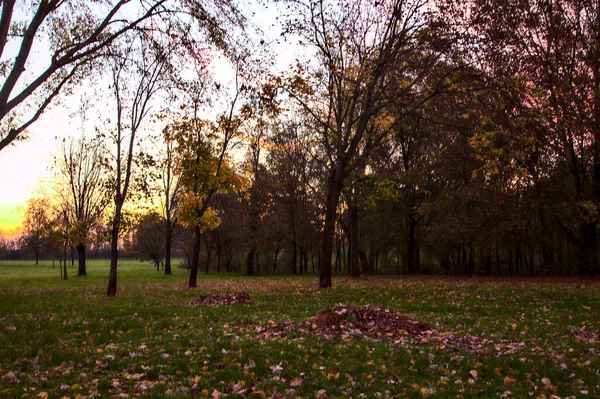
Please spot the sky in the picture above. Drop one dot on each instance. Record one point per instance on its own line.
(24, 165)
(27, 165)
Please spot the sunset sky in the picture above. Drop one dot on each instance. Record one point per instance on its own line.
(24, 165)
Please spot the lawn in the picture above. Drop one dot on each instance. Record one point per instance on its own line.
(489, 337)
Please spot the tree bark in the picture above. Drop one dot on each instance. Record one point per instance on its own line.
(333, 199)
(81, 271)
(114, 250)
(65, 255)
(411, 242)
(354, 242)
(295, 258)
(250, 262)
(588, 249)
(195, 258)
(168, 242)
(208, 255)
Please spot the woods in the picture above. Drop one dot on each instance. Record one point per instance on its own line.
(401, 137)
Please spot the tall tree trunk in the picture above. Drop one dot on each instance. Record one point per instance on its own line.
(411, 242)
(295, 258)
(228, 264)
(65, 254)
(333, 199)
(195, 258)
(208, 255)
(250, 262)
(168, 243)
(81, 271)
(276, 253)
(354, 242)
(114, 250)
(219, 259)
(588, 248)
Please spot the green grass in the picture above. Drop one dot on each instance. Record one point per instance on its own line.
(65, 338)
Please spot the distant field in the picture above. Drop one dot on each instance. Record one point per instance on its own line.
(503, 338)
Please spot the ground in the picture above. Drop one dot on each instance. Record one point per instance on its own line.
(265, 336)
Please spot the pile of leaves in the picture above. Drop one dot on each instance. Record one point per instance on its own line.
(370, 321)
(225, 299)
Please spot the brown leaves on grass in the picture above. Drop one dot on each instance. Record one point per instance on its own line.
(225, 299)
(368, 321)
(374, 322)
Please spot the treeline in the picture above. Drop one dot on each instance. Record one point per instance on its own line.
(460, 138)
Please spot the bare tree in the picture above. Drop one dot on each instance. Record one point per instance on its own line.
(139, 65)
(170, 190)
(80, 189)
(75, 32)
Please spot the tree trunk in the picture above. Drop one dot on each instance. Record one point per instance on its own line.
(208, 255)
(588, 249)
(65, 254)
(250, 262)
(114, 250)
(228, 264)
(195, 258)
(411, 242)
(354, 242)
(168, 242)
(81, 271)
(276, 252)
(333, 199)
(295, 258)
(219, 260)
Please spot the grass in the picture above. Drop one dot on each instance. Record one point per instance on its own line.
(522, 337)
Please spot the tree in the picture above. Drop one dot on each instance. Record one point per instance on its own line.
(75, 32)
(366, 56)
(204, 170)
(4, 246)
(170, 192)
(147, 239)
(37, 225)
(132, 107)
(80, 189)
(543, 56)
(291, 173)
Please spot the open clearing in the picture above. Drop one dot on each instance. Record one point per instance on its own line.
(480, 337)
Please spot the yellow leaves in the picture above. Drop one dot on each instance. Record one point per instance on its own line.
(193, 212)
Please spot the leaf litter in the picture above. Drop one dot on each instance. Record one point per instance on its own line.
(223, 299)
(375, 323)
